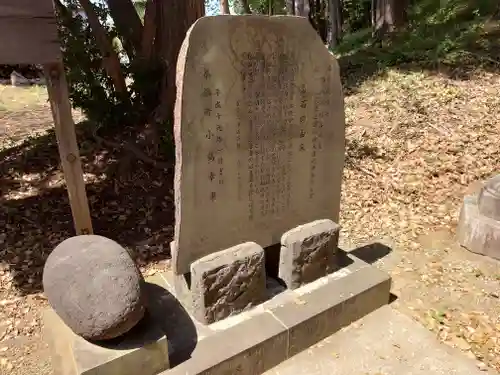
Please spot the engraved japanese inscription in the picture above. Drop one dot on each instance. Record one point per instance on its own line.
(259, 131)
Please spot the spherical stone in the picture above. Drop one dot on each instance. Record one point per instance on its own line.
(94, 286)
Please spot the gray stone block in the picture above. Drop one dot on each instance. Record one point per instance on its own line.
(144, 351)
(308, 252)
(476, 232)
(228, 282)
(257, 340)
(489, 199)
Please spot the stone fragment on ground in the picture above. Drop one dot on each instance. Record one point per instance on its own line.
(479, 223)
(94, 286)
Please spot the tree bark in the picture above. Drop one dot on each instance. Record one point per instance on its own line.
(128, 25)
(173, 21)
(290, 7)
(149, 30)
(335, 22)
(302, 8)
(110, 57)
(246, 7)
(388, 16)
(224, 7)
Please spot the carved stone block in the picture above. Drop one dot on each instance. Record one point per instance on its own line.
(308, 252)
(228, 282)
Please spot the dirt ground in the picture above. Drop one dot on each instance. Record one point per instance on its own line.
(415, 141)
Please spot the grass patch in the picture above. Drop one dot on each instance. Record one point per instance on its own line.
(17, 98)
(457, 36)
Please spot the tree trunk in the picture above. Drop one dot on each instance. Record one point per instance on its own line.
(224, 7)
(149, 30)
(128, 25)
(246, 7)
(110, 57)
(335, 20)
(400, 13)
(290, 7)
(173, 21)
(302, 8)
(387, 16)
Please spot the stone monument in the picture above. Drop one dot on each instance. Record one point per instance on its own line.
(259, 133)
(257, 276)
(479, 223)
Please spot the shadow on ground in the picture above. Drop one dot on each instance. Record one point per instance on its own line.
(131, 202)
(372, 252)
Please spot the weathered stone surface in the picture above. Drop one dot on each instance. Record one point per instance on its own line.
(476, 232)
(144, 350)
(17, 79)
(268, 334)
(308, 252)
(259, 133)
(228, 282)
(94, 286)
(489, 199)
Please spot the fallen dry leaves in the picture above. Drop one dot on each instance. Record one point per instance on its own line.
(416, 141)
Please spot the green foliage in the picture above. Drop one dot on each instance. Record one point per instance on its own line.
(441, 33)
(91, 89)
(357, 14)
(260, 6)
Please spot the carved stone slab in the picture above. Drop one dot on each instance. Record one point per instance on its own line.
(259, 132)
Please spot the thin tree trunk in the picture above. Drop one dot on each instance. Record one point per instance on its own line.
(384, 18)
(224, 7)
(290, 7)
(110, 57)
(128, 24)
(149, 30)
(246, 7)
(173, 21)
(400, 9)
(302, 8)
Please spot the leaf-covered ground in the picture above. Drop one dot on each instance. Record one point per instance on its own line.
(415, 141)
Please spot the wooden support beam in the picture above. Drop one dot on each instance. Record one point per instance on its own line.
(68, 148)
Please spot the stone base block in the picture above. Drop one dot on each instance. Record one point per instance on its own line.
(308, 252)
(476, 232)
(228, 282)
(143, 352)
(256, 340)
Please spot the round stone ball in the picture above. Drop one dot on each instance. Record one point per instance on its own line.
(94, 286)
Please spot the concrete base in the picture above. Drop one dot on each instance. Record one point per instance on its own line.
(288, 323)
(384, 342)
(248, 343)
(144, 350)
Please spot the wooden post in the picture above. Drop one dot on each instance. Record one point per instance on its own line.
(57, 88)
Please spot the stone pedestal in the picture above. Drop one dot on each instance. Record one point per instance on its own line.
(308, 252)
(143, 351)
(479, 223)
(228, 282)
